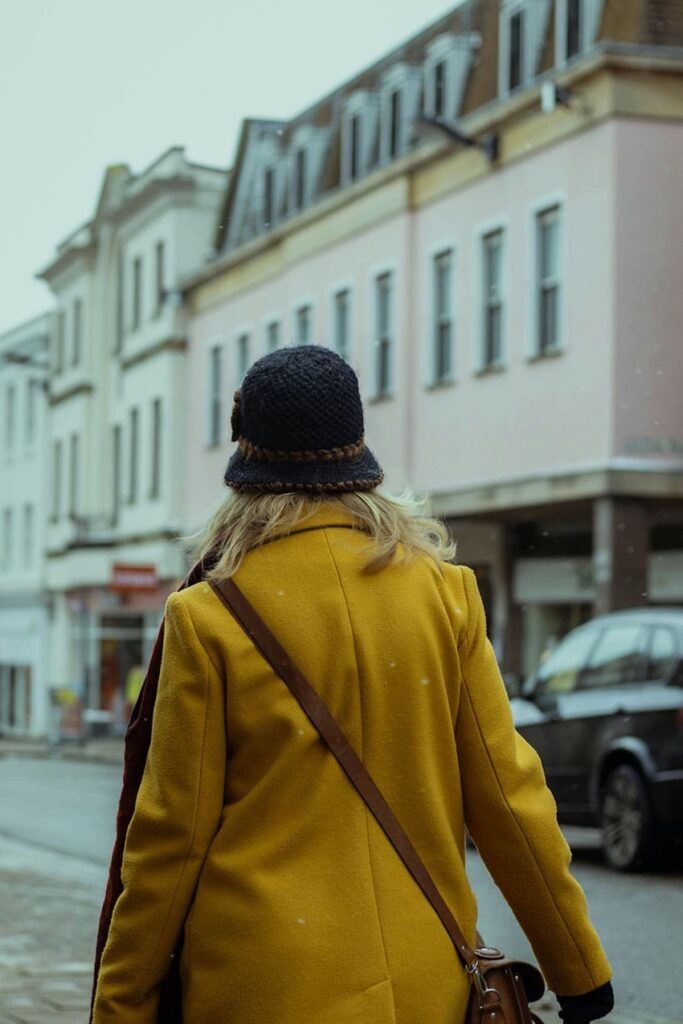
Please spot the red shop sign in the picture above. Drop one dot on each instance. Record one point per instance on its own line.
(126, 577)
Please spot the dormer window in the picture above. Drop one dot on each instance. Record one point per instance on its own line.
(523, 27)
(269, 197)
(399, 106)
(306, 152)
(358, 131)
(394, 123)
(439, 104)
(516, 44)
(576, 26)
(299, 184)
(447, 64)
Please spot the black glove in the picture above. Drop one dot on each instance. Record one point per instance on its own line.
(588, 1007)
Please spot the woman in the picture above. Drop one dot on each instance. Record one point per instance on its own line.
(247, 841)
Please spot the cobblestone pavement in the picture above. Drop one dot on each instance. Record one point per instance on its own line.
(47, 935)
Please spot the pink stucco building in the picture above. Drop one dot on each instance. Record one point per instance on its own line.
(514, 317)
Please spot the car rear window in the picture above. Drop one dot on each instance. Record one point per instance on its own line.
(619, 657)
(662, 653)
(559, 673)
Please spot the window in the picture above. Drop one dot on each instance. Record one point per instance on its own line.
(516, 59)
(618, 658)
(10, 415)
(116, 473)
(573, 28)
(443, 317)
(215, 406)
(394, 123)
(439, 87)
(342, 302)
(76, 329)
(29, 536)
(60, 341)
(31, 413)
(303, 325)
(383, 334)
(159, 289)
(137, 293)
(73, 475)
(133, 457)
(354, 146)
(7, 539)
(242, 355)
(268, 197)
(120, 302)
(155, 475)
(560, 672)
(300, 165)
(273, 336)
(662, 653)
(548, 279)
(56, 480)
(493, 297)
(359, 123)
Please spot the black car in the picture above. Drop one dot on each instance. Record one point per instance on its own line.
(605, 713)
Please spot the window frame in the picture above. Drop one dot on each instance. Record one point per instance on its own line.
(270, 323)
(77, 330)
(360, 107)
(133, 451)
(74, 476)
(444, 248)
(379, 273)
(338, 289)
(484, 231)
(541, 205)
(159, 276)
(136, 293)
(243, 335)
(214, 391)
(305, 302)
(117, 466)
(60, 341)
(156, 437)
(57, 480)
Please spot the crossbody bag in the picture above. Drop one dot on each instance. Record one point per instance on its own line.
(501, 988)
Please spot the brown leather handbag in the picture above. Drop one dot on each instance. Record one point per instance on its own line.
(501, 988)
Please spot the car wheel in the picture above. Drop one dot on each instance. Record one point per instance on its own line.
(626, 819)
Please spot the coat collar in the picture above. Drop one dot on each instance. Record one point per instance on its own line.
(329, 514)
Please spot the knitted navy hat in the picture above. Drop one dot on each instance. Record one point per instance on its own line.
(298, 423)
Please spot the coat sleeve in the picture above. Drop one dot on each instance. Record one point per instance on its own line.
(512, 818)
(177, 814)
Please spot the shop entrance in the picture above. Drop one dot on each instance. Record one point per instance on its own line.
(121, 664)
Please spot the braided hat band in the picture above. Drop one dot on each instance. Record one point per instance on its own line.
(298, 424)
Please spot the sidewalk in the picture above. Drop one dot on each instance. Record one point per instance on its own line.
(50, 907)
(103, 750)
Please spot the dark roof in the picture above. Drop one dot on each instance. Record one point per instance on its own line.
(633, 22)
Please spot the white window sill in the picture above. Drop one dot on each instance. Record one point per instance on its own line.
(549, 353)
(490, 370)
(442, 384)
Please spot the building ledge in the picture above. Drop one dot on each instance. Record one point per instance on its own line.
(621, 477)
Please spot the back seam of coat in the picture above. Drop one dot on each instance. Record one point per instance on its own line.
(361, 755)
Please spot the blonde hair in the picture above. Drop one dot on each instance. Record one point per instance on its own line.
(244, 520)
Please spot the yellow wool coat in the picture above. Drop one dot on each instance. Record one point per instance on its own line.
(248, 838)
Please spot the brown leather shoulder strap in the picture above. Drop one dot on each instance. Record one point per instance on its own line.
(321, 717)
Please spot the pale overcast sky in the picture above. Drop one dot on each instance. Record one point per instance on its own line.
(84, 84)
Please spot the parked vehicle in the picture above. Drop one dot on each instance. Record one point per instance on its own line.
(605, 713)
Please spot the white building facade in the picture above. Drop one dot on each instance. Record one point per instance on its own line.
(117, 421)
(511, 304)
(24, 604)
